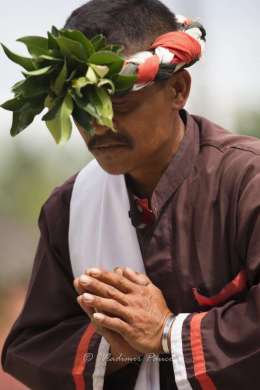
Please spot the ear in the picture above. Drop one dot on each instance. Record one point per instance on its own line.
(180, 84)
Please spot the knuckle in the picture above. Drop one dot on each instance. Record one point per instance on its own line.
(115, 305)
(119, 279)
(112, 292)
(131, 318)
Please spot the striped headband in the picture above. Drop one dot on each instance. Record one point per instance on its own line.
(169, 53)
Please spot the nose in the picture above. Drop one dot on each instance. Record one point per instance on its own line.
(100, 129)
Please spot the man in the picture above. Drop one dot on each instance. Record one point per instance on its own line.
(194, 208)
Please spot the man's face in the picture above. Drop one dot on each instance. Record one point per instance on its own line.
(145, 126)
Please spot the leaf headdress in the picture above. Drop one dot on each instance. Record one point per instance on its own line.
(72, 75)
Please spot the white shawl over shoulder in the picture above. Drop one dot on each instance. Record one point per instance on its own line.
(101, 235)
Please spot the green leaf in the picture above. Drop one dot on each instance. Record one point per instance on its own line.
(25, 116)
(26, 63)
(99, 41)
(39, 72)
(21, 121)
(78, 36)
(91, 75)
(50, 58)
(48, 101)
(60, 80)
(35, 45)
(52, 43)
(33, 86)
(17, 85)
(13, 104)
(100, 70)
(55, 32)
(115, 48)
(83, 119)
(124, 83)
(108, 84)
(61, 126)
(53, 105)
(72, 49)
(100, 99)
(114, 68)
(80, 83)
(86, 105)
(104, 57)
(72, 75)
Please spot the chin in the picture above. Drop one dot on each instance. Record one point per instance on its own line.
(112, 169)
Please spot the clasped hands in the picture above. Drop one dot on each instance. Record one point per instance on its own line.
(125, 307)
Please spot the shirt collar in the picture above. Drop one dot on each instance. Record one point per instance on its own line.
(180, 165)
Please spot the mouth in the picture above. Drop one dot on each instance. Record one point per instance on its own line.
(110, 148)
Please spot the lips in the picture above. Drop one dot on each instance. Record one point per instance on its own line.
(108, 146)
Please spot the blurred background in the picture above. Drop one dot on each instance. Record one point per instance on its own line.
(226, 90)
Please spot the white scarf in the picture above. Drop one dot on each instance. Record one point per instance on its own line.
(101, 235)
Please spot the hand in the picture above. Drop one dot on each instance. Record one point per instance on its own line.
(135, 311)
(119, 348)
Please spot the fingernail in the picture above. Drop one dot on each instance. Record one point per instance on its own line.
(88, 297)
(94, 271)
(130, 270)
(118, 270)
(84, 279)
(98, 316)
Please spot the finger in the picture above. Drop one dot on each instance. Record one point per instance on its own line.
(90, 311)
(114, 279)
(87, 309)
(97, 287)
(105, 305)
(136, 277)
(119, 270)
(78, 287)
(112, 323)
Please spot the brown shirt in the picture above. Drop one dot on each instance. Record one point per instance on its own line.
(202, 251)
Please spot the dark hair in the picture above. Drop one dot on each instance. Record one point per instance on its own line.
(132, 23)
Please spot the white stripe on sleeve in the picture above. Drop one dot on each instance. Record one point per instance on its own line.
(178, 361)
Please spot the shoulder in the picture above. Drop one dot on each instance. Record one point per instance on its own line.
(57, 205)
(227, 162)
(59, 199)
(53, 221)
(226, 151)
(215, 136)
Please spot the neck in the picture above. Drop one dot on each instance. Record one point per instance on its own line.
(144, 180)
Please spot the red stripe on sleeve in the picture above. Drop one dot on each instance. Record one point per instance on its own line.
(198, 353)
(237, 285)
(80, 358)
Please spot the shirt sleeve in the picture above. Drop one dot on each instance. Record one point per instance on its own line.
(53, 345)
(220, 348)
